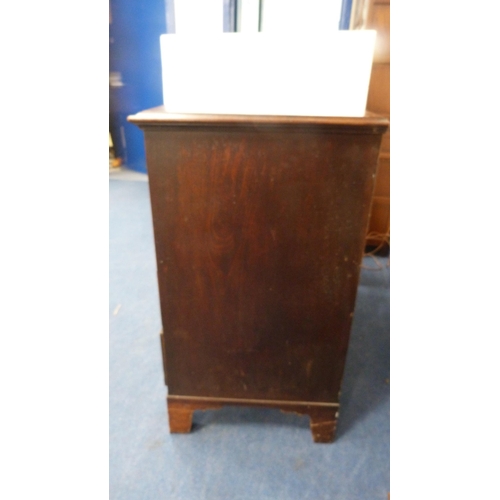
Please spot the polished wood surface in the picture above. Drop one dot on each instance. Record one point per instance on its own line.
(158, 117)
(379, 90)
(377, 16)
(259, 225)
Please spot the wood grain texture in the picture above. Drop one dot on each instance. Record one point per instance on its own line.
(323, 425)
(322, 417)
(378, 18)
(382, 183)
(158, 117)
(180, 413)
(258, 257)
(385, 147)
(259, 230)
(379, 91)
(380, 217)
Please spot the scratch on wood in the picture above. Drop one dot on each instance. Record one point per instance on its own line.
(326, 422)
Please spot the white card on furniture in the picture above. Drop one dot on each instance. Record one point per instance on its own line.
(267, 74)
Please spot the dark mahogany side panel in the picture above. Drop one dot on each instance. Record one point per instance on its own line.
(259, 237)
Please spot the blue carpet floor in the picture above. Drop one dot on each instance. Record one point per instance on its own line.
(233, 453)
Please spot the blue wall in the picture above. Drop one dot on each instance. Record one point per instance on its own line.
(134, 52)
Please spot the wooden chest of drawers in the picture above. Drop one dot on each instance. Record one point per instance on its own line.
(259, 226)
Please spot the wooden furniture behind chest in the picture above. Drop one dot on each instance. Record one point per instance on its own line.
(259, 226)
(375, 14)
